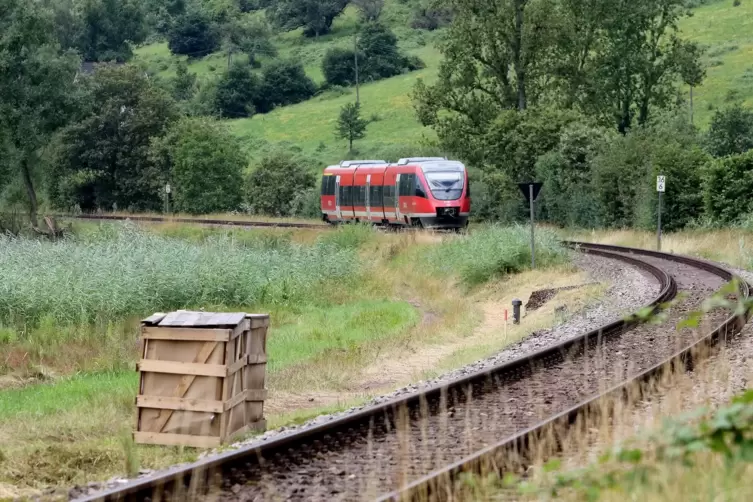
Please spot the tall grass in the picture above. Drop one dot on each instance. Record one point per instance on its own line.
(495, 251)
(128, 273)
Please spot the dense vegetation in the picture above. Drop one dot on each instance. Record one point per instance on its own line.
(589, 98)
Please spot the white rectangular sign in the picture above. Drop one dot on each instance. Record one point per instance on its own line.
(167, 188)
(660, 183)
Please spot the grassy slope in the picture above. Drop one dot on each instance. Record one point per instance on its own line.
(726, 31)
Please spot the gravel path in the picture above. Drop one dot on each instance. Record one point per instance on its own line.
(629, 290)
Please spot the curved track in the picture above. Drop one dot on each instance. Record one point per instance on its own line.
(415, 444)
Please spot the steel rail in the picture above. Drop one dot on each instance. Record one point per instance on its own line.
(202, 221)
(439, 484)
(206, 471)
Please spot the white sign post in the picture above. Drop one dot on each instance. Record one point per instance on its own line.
(167, 198)
(660, 187)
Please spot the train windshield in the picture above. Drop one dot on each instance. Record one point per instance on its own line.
(445, 185)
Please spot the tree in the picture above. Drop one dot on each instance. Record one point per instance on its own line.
(37, 96)
(109, 28)
(284, 83)
(381, 58)
(731, 132)
(339, 66)
(184, 83)
(277, 185)
(350, 125)
(370, 10)
(248, 36)
(103, 158)
(728, 183)
(237, 92)
(205, 164)
(193, 34)
(315, 16)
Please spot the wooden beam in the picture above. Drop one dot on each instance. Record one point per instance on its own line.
(176, 439)
(186, 334)
(179, 403)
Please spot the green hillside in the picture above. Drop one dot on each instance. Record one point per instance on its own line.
(724, 30)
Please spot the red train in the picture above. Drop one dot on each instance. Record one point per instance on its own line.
(426, 192)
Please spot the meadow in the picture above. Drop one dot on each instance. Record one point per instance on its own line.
(343, 304)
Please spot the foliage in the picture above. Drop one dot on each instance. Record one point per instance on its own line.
(370, 10)
(250, 36)
(193, 34)
(276, 183)
(237, 92)
(497, 251)
(184, 83)
(625, 173)
(351, 236)
(284, 83)
(430, 15)
(315, 16)
(102, 159)
(350, 125)
(339, 66)
(109, 27)
(37, 95)
(132, 273)
(728, 183)
(205, 165)
(731, 131)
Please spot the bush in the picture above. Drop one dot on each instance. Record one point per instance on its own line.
(237, 92)
(193, 34)
(206, 166)
(284, 83)
(428, 17)
(731, 132)
(276, 183)
(727, 187)
(339, 66)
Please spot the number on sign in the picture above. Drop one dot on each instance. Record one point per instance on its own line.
(660, 183)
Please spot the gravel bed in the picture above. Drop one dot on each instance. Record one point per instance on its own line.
(629, 289)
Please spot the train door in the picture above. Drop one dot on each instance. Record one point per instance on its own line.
(397, 198)
(368, 197)
(337, 198)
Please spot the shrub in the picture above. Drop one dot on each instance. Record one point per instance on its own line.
(727, 187)
(284, 83)
(277, 181)
(731, 131)
(206, 166)
(237, 92)
(193, 34)
(339, 66)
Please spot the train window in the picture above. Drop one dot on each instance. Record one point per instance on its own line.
(389, 195)
(407, 182)
(420, 189)
(359, 195)
(346, 195)
(375, 197)
(328, 185)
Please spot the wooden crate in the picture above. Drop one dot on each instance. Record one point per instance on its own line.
(202, 378)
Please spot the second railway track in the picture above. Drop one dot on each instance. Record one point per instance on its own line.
(381, 450)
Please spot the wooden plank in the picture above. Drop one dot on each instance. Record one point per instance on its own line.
(257, 358)
(179, 318)
(234, 401)
(237, 365)
(176, 439)
(186, 334)
(154, 318)
(241, 328)
(179, 403)
(181, 368)
(256, 394)
(258, 320)
(186, 381)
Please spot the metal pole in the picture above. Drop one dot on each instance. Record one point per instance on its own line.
(355, 55)
(658, 226)
(691, 105)
(533, 249)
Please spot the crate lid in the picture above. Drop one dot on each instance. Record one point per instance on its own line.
(187, 318)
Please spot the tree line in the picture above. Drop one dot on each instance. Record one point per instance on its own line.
(589, 97)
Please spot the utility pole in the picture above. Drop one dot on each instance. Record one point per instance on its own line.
(355, 56)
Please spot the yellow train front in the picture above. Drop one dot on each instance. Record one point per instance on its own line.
(425, 192)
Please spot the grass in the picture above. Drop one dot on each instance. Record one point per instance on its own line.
(726, 32)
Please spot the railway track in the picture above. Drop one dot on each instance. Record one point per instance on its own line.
(414, 447)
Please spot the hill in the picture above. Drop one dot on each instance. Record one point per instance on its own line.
(725, 31)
